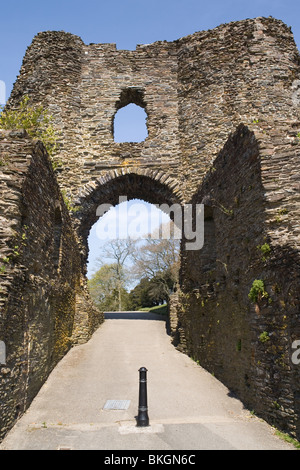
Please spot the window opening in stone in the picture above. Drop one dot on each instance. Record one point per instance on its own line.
(130, 124)
(57, 236)
(144, 282)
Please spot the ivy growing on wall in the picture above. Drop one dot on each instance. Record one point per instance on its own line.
(37, 122)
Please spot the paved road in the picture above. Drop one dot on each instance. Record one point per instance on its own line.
(188, 408)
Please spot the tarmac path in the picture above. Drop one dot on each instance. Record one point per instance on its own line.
(188, 408)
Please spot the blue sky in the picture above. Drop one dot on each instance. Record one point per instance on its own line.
(124, 22)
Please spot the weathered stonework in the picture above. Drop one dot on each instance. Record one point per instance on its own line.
(41, 278)
(223, 124)
(247, 345)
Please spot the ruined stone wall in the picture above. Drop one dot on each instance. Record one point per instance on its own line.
(251, 194)
(242, 72)
(85, 86)
(40, 273)
(250, 234)
(196, 91)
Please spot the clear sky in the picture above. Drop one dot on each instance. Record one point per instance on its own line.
(124, 22)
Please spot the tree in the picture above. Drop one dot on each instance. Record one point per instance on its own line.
(155, 267)
(105, 291)
(151, 292)
(158, 261)
(140, 296)
(118, 251)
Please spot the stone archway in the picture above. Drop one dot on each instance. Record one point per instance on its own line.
(153, 187)
(195, 99)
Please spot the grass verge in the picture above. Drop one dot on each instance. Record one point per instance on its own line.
(288, 438)
(159, 309)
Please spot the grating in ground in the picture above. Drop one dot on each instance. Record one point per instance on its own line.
(116, 405)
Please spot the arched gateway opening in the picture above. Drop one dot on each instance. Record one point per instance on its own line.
(131, 186)
(92, 204)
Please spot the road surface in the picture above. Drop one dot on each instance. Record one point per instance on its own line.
(188, 408)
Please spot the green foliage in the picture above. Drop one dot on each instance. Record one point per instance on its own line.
(264, 337)
(283, 211)
(139, 296)
(288, 438)
(69, 201)
(266, 250)
(151, 292)
(224, 209)
(257, 291)
(159, 309)
(105, 289)
(16, 251)
(35, 120)
(3, 267)
(155, 267)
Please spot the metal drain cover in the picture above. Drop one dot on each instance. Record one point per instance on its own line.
(116, 405)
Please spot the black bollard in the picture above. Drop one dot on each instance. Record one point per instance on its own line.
(143, 419)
